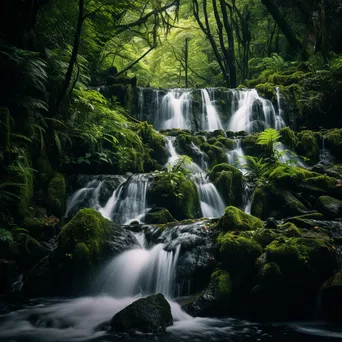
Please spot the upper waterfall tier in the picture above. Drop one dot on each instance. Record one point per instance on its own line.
(209, 109)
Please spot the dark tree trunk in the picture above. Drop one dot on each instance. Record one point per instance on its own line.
(285, 28)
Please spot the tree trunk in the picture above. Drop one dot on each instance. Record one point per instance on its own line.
(73, 59)
(285, 28)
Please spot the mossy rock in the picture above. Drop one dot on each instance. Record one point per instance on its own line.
(237, 254)
(184, 206)
(251, 147)
(320, 185)
(333, 140)
(288, 137)
(228, 181)
(83, 239)
(56, 195)
(289, 229)
(308, 146)
(302, 259)
(216, 155)
(290, 204)
(266, 90)
(330, 207)
(158, 216)
(270, 276)
(262, 201)
(235, 219)
(264, 236)
(223, 284)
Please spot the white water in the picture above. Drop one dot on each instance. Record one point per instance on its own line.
(287, 156)
(325, 156)
(210, 118)
(211, 202)
(175, 110)
(235, 157)
(280, 122)
(245, 117)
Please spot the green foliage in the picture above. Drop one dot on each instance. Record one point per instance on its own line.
(6, 239)
(256, 168)
(269, 138)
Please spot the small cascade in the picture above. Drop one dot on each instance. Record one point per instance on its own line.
(280, 123)
(210, 118)
(253, 113)
(287, 156)
(196, 149)
(234, 157)
(325, 156)
(175, 110)
(131, 204)
(140, 271)
(212, 204)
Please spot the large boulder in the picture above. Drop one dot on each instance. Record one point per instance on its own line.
(235, 219)
(85, 243)
(147, 315)
(228, 181)
(158, 216)
(330, 207)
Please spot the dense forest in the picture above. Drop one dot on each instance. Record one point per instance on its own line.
(186, 147)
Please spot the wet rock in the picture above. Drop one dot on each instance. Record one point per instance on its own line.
(158, 216)
(271, 223)
(330, 207)
(7, 273)
(147, 315)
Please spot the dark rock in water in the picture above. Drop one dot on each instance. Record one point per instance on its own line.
(148, 315)
(158, 216)
(271, 223)
(330, 207)
(324, 169)
(331, 299)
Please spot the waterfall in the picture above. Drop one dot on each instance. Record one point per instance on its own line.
(253, 113)
(131, 205)
(210, 118)
(325, 156)
(211, 202)
(280, 123)
(139, 271)
(175, 111)
(287, 156)
(234, 156)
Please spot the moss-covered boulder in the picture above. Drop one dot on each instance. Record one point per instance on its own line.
(238, 254)
(289, 229)
(158, 216)
(228, 181)
(147, 315)
(235, 219)
(264, 236)
(250, 146)
(56, 195)
(215, 300)
(179, 197)
(216, 154)
(41, 228)
(262, 201)
(331, 299)
(288, 137)
(302, 260)
(330, 207)
(334, 142)
(308, 146)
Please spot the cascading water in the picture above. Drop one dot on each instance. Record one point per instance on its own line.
(288, 156)
(253, 113)
(210, 118)
(325, 156)
(235, 156)
(280, 123)
(211, 202)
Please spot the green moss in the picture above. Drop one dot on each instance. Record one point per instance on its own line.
(228, 181)
(270, 276)
(288, 137)
(83, 238)
(250, 146)
(330, 207)
(235, 219)
(264, 236)
(266, 90)
(35, 227)
(297, 254)
(334, 142)
(261, 202)
(180, 198)
(224, 284)
(238, 254)
(56, 195)
(308, 146)
(158, 216)
(216, 155)
(288, 177)
(290, 230)
(335, 280)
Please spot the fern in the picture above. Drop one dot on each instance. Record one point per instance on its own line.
(6, 238)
